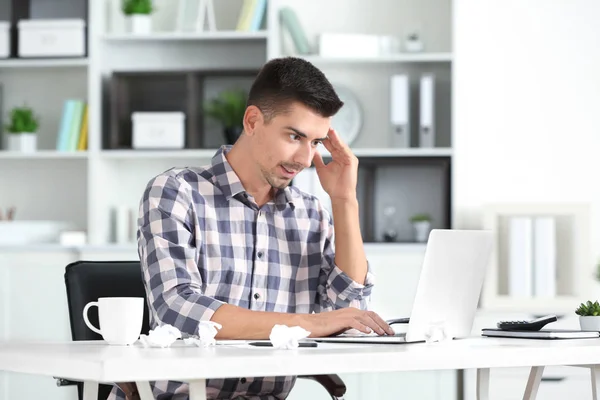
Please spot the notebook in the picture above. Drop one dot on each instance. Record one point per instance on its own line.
(541, 334)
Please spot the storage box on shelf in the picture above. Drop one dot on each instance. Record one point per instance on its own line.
(52, 38)
(49, 28)
(4, 39)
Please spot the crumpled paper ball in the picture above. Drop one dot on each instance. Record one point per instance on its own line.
(207, 330)
(162, 336)
(436, 333)
(285, 337)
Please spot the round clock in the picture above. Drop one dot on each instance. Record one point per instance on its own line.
(348, 120)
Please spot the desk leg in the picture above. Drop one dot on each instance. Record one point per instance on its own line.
(595, 375)
(90, 390)
(483, 384)
(533, 383)
(144, 390)
(198, 389)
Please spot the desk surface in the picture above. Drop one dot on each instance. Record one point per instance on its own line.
(99, 362)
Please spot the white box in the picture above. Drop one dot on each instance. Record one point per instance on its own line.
(51, 38)
(355, 45)
(158, 130)
(4, 39)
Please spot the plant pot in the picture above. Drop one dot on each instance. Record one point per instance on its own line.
(140, 24)
(413, 46)
(589, 323)
(421, 231)
(232, 134)
(23, 142)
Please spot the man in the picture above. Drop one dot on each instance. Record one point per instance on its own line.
(234, 243)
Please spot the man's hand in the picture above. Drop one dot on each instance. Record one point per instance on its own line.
(335, 322)
(338, 177)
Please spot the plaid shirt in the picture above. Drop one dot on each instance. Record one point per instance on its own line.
(203, 242)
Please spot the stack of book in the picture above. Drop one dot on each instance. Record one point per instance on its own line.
(73, 129)
(252, 16)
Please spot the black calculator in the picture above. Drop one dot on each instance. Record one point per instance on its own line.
(532, 325)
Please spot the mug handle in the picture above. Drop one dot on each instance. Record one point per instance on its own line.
(87, 320)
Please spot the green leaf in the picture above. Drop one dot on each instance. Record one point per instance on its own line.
(22, 120)
(131, 7)
(228, 108)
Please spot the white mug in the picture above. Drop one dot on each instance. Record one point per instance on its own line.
(120, 319)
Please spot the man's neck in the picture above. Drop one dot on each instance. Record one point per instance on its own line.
(246, 170)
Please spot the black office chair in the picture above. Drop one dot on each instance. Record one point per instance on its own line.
(86, 281)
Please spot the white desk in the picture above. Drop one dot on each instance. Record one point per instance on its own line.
(95, 362)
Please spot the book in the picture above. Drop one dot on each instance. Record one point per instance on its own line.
(541, 334)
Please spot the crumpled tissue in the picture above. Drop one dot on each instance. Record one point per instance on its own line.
(207, 330)
(436, 333)
(161, 336)
(285, 337)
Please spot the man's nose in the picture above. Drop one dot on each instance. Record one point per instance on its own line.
(304, 156)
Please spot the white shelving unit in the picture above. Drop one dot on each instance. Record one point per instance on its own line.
(116, 177)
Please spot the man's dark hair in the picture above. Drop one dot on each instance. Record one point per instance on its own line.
(282, 81)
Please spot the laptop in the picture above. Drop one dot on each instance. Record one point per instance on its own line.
(448, 290)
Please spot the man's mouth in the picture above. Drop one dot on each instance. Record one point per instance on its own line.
(289, 172)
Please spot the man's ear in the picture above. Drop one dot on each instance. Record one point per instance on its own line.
(252, 118)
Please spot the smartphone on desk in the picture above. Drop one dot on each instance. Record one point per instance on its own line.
(269, 344)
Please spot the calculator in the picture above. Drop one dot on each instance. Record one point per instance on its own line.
(532, 325)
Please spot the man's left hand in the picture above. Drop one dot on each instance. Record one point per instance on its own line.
(339, 176)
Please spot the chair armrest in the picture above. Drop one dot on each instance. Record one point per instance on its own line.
(332, 383)
(64, 382)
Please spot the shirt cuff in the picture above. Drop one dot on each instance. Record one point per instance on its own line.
(346, 290)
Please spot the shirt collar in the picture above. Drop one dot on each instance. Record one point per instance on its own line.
(231, 185)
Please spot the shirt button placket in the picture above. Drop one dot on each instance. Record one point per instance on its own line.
(261, 267)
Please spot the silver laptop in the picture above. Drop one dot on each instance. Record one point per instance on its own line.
(448, 291)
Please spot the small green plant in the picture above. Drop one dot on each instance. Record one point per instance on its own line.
(22, 120)
(420, 218)
(588, 309)
(131, 7)
(228, 108)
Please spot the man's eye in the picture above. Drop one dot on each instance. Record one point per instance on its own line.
(295, 137)
(316, 143)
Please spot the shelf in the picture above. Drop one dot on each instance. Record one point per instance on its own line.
(208, 153)
(145, 154)
(403, 152)
(398, 58)
(43, 62)
(42, 155)
(176, 36)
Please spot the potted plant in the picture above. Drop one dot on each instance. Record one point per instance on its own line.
(421, 226)
(589, 316)
(413, 43)
(228, 109)
(22, 130)
(138, 14)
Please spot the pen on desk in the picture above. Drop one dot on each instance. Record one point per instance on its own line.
(269, 344)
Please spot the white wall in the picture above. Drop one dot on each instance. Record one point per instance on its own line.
(526, 111)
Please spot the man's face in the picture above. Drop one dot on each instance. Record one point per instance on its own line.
(287, 143)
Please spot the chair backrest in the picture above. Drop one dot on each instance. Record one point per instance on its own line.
(86, 281)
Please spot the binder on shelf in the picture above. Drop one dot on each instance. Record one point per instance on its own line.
(427, 111)
(544, 256)
(520, 256)
(400, 110)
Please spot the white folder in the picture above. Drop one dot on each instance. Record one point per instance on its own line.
(520, 256)
(427, 111)
(400, 110)
(544, 256)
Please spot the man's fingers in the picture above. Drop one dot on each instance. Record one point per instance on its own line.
(318, 160)
(366, 319)
(380, 321)
(360, 326)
